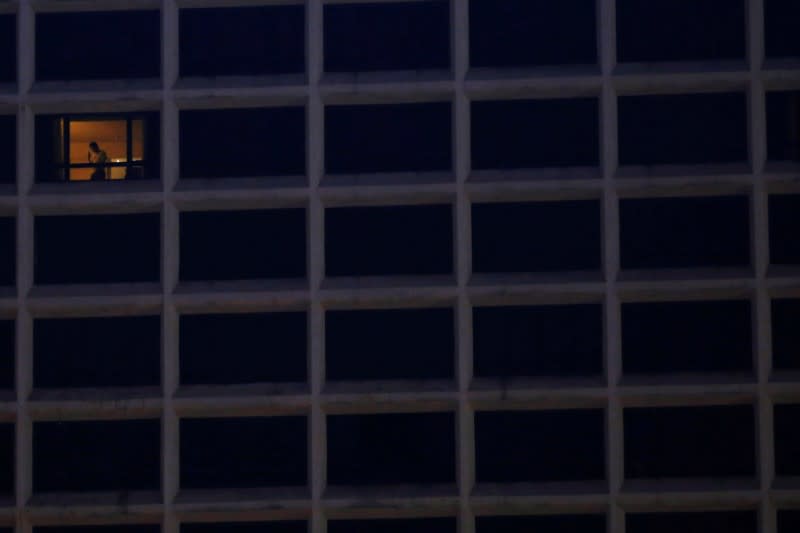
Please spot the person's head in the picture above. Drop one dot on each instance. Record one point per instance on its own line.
(94, 147)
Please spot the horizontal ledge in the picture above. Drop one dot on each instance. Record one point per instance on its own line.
(45, 507)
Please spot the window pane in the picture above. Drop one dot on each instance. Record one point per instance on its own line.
(98, 45)
(262, 347)
(7, 463)
(245, 527)
(243, 452)
(693, 522)
(519, 237)
(116, 528)
(112, 141)
(394, 36)
(534, 133)
(389, 344)
(785, 334)
(242, 142)
(379, 241)
(708, 29)
(97, 352)
(783, 125)
(8, 48)
(387, 138)
(8, 147)
(589, 523)
(674, 337)
(680, 442)
(780, 21)
(683, 129)
(784, 225)
(553, 340)
(236, 245)
(7, 350)
(787, 440)
(390, 449)
(516, 33)
(788, 521)
(417, 525)
(242, 41)
(685, 232)
(97, 248)
(121, 455)
(8, 251)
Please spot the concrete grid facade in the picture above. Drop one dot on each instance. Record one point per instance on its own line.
(169, 299)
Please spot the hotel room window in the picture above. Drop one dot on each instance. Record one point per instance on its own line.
(8, 149)
(8, 48)
(7, 345)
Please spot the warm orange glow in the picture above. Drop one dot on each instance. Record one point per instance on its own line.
(111, 136)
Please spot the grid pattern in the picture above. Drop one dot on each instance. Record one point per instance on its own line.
(760, 285)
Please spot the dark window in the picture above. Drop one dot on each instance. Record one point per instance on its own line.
(97, 248)
(784, 225)
(396, 36)
(787, 440)
(67, 45)
(515, 33)
(387, 138)
(106, 147)
(674, 337)
(589, 523)
(785, 334)
(8, 48)
(389, 344)
(242, 40)
(783, 125)
(261, 347)
(693, 522)
(520, 237)
(535, 133)
(708, 29)
(8, 146)
(417, 525)
(681, 442)
(231, 245)
(118, 455)
(788, 521)
(553, 340)
(391, 448)
(117, 528)
(246, 527)
(685, 232)
(539, 446)
(97, 352)
(780, 21)
(8, 251)
(376, 241)
(7, 349)
(7, 439)
(684, 129)
(221, 143)
(243, 452)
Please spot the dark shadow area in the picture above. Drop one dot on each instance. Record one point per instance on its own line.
(783, 125)
(685, 232)
(692, 522)
(401, 525)
(218, 143)
(7, 348)
(97, 248)
(116, 528)
(387, 449)
(238, 41)
(587, 523)
(258, 347)
(390, 36)
(784, 227)
(521, 33)
(389, 344)
(388, 138)
(787, 440)
(297, 526)
(238, 245)
(780, 28)
(520, 237)
(94, 45)
(555, 132)
(785, 334)
(683, 129)
(243, 452)
(708, 30)
(538, 341)
(8, 145)
(684, 442)
(788, 521)
(676, 337)
(539, 446)
(8, 48)
(122, 351)
(8, 251)
(119, 455)
(389, 240)
(7, 463)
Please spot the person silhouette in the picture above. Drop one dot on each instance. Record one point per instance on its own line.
(98, 158)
